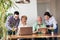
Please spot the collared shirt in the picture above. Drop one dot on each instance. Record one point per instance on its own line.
(10, 22)
(36, 26)
(51, 21)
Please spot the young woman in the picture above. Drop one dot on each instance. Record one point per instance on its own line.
(51, 22)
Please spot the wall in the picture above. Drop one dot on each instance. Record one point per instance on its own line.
(55, 10)
(30, 10)
(47, 6)
(58, 12)
(42, 8)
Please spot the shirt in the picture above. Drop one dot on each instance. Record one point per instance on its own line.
(10, 22)
(21, 25)
(36, 26)
(51, 21)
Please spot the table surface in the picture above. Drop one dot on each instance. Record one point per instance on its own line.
(33, 36)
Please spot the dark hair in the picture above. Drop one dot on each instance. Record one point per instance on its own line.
(24, 17)
(16, 12)
(48, 14)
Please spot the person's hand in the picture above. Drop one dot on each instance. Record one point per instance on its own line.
(35, 31)
(14, 29)
(50, 28)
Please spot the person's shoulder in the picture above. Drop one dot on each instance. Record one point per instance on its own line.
(35, 23)
(53, 18)
(43, 23)
(10, 16)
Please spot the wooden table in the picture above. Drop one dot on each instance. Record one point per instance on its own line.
(33, 36)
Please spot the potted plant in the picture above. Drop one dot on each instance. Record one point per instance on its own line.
(4, 6)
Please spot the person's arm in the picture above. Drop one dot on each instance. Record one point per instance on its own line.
(8, 23)
(54, 24)
(18, 31)
(35, 28)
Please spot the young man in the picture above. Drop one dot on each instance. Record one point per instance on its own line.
(37, 25)
(12, 23)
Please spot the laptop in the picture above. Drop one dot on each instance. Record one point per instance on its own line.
(26, 31)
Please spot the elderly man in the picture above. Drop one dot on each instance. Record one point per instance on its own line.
(12, 23)
(37, 25)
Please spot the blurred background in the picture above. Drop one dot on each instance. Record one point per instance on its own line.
(32, 9)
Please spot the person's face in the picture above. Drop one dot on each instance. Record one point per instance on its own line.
(16, 16)
(46, 17)
(39, 19)
(23, 20)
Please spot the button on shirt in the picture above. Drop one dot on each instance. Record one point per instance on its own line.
(51, 21)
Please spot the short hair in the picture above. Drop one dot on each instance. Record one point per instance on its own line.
(24, 17)
(48, 14)
(16, 12)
